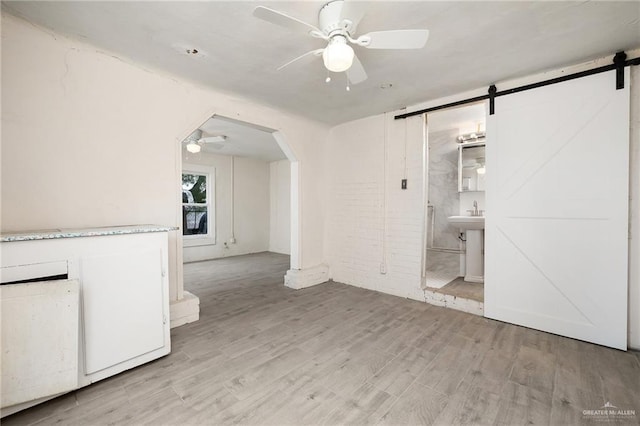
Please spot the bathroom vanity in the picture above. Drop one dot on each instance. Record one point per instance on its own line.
(473, 227)
(79, 306)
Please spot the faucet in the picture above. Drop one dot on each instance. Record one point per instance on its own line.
(475, 211)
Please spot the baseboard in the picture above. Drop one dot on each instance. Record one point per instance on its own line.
(185, 310)
(474, 279)
(302, 278)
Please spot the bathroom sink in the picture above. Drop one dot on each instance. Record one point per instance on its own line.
(467, 222)
(474, 259)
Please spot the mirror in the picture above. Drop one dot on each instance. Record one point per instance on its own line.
(471, 167)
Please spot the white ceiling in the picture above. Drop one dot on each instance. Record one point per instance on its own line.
(472, 44)
(242, 140)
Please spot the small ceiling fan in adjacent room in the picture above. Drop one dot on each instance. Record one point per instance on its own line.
(337, 24)
(195, 141)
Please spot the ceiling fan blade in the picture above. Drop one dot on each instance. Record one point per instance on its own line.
(284, 20)
(353, 11)
(356, 74)
(395, 39)
(316, 52)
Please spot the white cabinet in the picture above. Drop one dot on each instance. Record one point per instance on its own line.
(121, 317)
(39, 340)
(117, 328)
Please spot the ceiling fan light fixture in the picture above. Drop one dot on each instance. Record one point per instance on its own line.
(193, 147)
(338, 55)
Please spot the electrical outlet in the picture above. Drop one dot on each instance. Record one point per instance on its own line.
(383, 268)
(404, 184)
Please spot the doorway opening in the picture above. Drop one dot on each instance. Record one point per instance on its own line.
(239, 198)
(454, 179)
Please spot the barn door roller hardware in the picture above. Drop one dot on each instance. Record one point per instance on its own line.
(492, 98)
(620, 61)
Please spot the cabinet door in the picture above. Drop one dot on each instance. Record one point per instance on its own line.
(122, 297)
(39, 340)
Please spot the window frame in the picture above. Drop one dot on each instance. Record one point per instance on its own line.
(210, 237)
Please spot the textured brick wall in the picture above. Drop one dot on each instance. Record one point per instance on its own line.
(363, 235)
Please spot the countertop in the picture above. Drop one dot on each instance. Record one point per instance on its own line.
(50, 234)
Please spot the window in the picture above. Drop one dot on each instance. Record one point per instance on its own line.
(195, 204)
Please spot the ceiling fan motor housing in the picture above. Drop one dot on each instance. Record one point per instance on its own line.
(330, 22)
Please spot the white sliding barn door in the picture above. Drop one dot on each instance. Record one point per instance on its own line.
(557, 209)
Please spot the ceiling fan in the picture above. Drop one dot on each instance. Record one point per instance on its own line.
(337, 23)
(195, 141)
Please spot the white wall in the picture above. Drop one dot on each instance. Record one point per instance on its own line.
(280, 207)
(373, 225)
(251, 202)
(89, 139)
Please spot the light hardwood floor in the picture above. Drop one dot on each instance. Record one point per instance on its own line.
(335, 354)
